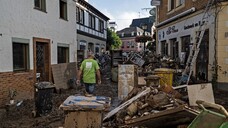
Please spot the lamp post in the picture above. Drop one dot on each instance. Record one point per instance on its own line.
(144, 27)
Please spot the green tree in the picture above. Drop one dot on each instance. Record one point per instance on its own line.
(113, 40)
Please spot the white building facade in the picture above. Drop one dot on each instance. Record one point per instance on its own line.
(34, 34)
(176, 38)
(91, 28)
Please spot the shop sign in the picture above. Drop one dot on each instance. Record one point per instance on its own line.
(171, 30)
(193, 25)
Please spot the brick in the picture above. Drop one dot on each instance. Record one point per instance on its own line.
(163, 8)
(17, 81)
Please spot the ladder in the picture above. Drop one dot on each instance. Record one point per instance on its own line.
(196, 45)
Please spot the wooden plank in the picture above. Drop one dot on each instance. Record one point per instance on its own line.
(202, 92)
(125, 104)
(178, 115)
(62, 73)
(83, 119)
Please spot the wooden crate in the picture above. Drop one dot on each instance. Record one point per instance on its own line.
(85, 112)
(83, 119)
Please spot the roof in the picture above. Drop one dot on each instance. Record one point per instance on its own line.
(93, 9)
(148, 20)
(112, 22)
(129, 30)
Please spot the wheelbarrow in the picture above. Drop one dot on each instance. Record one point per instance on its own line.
(216, 118)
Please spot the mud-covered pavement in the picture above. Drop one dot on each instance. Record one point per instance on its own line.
(22, 117)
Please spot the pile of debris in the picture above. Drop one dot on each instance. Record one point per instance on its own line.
(151, 102)
(151, 61)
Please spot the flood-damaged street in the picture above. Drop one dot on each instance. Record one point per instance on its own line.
(147, 107)
(113, 64)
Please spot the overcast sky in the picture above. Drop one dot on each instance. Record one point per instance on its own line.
(122, 11)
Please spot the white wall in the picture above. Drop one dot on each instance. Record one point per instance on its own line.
(20, 19)
(185, 27)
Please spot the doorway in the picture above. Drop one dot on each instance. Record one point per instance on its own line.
(91, 47)
(202, 58)
(42, 59)
(174, 48)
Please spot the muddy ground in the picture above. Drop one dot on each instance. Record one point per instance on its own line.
(22, 117)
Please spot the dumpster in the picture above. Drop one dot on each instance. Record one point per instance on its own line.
(43, 98)
(166, 76)
(218, 118)
(85, 112)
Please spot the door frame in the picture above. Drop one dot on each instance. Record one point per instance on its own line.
(45, 41)
(207, 42)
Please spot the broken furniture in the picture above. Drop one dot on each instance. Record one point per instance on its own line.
(152, 80)
(127, 79)
(84, 112)
(136, 59)
(116, 57)
(64, 75)
(149, 106)
(208, 118)
(202, 91)
(165, 118)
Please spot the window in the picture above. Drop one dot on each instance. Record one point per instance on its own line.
(77, 14)
(185, 48)
(20, 56)
(174, 48)
(164, 48)
(122, 34)
(40, 4)
(82, 45)
(63, 9)
(179, 2)
(97, 49)
(63, 54)
(171, 5)
(128, 44)
(101, 26)
(132, 45)
(91, 21)
(80, 16)
(185, 42)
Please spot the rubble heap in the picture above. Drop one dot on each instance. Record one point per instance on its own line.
(144, 102)
(153, 102)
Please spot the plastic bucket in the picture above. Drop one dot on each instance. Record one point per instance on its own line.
(166, 76)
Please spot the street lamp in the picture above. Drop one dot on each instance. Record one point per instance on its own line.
(144, 27)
